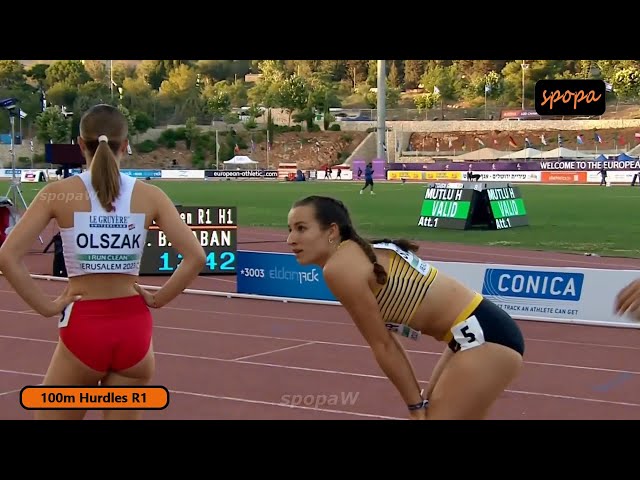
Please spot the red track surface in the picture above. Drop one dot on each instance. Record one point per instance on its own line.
(225, 358)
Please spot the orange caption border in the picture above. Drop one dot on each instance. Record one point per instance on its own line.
(31, 397)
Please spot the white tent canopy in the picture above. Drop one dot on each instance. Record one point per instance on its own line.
(562, 152)
(482, 154)
(240, 161)
(524, 153)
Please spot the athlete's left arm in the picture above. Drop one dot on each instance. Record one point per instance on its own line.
(17, 244)
(351, 289)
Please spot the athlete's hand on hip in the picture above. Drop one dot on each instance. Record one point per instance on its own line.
(628, 300)
(149, 298)
(58, 305)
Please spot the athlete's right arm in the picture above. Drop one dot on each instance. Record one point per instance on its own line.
(183, 240)
(350, 287)
(16, 246)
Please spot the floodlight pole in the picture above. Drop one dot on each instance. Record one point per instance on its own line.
(14, 193)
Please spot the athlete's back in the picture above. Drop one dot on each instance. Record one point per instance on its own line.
(94, 202)
(103, 250)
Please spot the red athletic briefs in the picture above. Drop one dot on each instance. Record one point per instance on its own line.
(112, 334)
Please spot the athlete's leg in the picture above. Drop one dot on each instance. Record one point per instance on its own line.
(437, 370)
(66, 369)
(140, 374)
(472, 381)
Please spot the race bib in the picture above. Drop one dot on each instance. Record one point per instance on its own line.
(403, 330)
(411, 258)
(109, 243)
(65, 316)
(468, 334)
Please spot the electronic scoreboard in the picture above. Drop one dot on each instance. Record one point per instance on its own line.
(446, 205)
(507, 207)
(470, 205)
(215, 228)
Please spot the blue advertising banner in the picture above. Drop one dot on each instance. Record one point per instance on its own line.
(142, 173)
(533, 284)
(279, 275)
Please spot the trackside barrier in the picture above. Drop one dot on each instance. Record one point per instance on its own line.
(565, 295)
(28, 175)
(279, 275)
(209, 293)
(489, 176)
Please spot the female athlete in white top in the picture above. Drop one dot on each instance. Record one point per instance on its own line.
(106, 327)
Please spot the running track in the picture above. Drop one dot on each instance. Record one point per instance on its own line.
(229, 358)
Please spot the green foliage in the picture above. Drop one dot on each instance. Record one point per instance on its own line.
(146, 147)
(191, 131)
(286, 128)
(250, 124)
(392, 96)
(175, 134)
(231, 118)
(342, 156)
(198, 158)
(172, 91)
(53, 126)
(142, 122)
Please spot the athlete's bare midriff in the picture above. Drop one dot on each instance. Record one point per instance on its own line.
(103, 286)
(444, 301)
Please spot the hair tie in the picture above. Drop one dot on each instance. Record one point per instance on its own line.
(103, 138)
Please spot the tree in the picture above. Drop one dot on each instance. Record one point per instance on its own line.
(12, 74)
(394, 75)
(217, 101)
(181, 90)
(426, 101)
(293, 95)
(71, 72)
(356, 71)
(626, 83)
(53, 126)
(413, 71)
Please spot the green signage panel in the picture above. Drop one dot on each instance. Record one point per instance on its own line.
(470, 205)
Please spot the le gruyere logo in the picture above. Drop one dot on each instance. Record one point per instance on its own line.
(570, 97)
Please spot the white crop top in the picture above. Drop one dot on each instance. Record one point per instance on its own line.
(105, 242)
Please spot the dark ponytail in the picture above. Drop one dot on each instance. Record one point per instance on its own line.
(378, 270)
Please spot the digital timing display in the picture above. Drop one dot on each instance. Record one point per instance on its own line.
(472, 205)
(507, 207)
(445, 207)
(215, 228)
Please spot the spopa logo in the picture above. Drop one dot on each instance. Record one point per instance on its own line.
(570, 97)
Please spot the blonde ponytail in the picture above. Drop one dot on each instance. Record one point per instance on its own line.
(105, 174)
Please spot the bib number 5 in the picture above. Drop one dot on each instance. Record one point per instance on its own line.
(468, 334)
